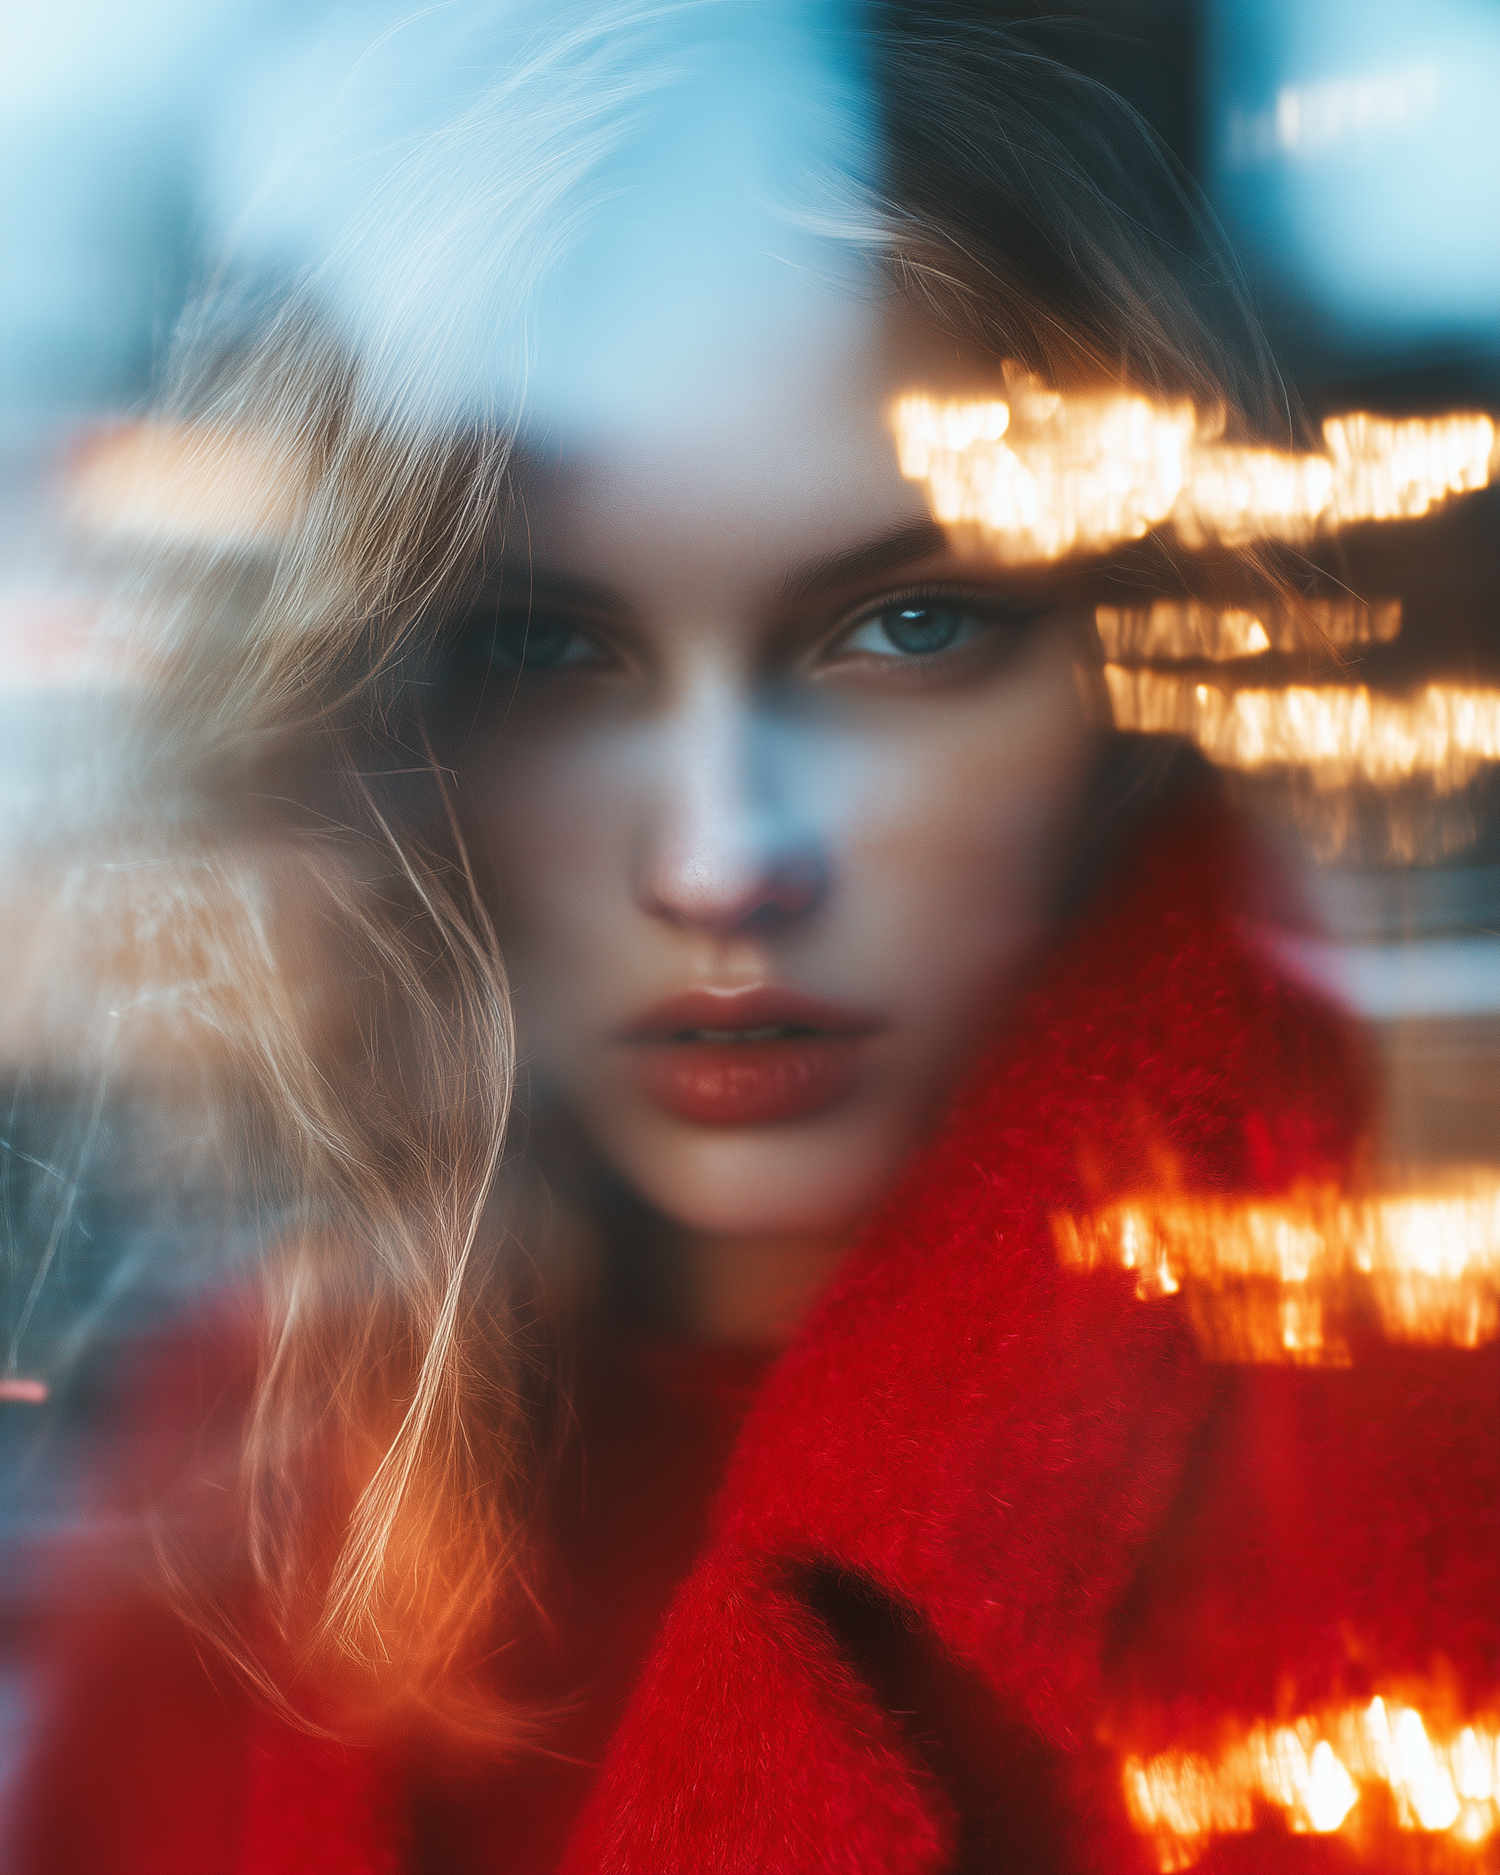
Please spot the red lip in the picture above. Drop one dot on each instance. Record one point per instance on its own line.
(686, 1059)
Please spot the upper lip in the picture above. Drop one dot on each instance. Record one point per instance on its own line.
(748, 1007)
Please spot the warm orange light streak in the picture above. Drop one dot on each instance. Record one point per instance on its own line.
(1316, 1775)
(1179, 629)
(1271, 1280)
(1065, 473)
(1339, 733)
(186, 485)
(1044, 475)
(1182, 628)
(1387, 470)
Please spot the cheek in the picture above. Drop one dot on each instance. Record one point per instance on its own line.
(958, 841)
(554, 823)
(951, 870)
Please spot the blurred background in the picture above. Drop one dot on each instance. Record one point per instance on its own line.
(1351, 149)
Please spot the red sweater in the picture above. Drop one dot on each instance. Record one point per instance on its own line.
(996, 1549)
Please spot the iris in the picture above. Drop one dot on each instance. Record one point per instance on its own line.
(919, 630)
(538, 642)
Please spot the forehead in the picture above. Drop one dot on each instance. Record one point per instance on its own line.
(777, 459)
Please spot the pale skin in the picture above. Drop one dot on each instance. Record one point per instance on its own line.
(732, 768)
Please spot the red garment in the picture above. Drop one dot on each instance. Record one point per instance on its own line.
(152, 1761)
(990, 1522)
(630, 1515)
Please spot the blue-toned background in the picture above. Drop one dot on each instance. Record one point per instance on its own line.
(1353, 150)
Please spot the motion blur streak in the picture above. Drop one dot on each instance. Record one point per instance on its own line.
(1282, 1281)
(1172, 629)
(181, 484)
(1357, 1770)
(1078, 474)
(1048, 475)
(1339, 733)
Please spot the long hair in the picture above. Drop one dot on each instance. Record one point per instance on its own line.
(407, 1387)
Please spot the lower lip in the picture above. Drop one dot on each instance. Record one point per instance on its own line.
(747, 1083)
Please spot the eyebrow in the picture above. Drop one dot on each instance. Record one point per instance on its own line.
(898, 547)
(534, 583)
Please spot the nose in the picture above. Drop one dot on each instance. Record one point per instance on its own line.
(730, 844)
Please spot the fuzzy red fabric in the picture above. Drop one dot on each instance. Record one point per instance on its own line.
(988, 1514)
(990, 1522)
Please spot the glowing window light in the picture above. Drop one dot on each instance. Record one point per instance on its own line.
(1309, 1776)
(1312, 118)
(1058, 475)
(1338, 733)
(1307, 120)
(1265, 1278)
(1182, 628)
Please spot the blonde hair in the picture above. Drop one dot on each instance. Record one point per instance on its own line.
(407, 1391)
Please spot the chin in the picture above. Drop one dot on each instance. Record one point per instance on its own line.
(805, 1180)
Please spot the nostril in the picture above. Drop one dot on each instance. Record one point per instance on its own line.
(779, 906)
(765, 917)
(795, 887)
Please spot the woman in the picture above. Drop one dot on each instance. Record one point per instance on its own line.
(844, 950)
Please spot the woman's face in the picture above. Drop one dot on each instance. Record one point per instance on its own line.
(775, 788)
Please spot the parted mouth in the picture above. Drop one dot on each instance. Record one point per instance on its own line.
(772, 1032)
(758, 1055)
(744, 1016)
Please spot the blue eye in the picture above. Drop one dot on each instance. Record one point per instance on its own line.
(923, 627)
(914, 631)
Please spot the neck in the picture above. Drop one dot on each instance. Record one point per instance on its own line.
(754, 1290)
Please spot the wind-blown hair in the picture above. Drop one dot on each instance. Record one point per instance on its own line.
(408, 1386)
